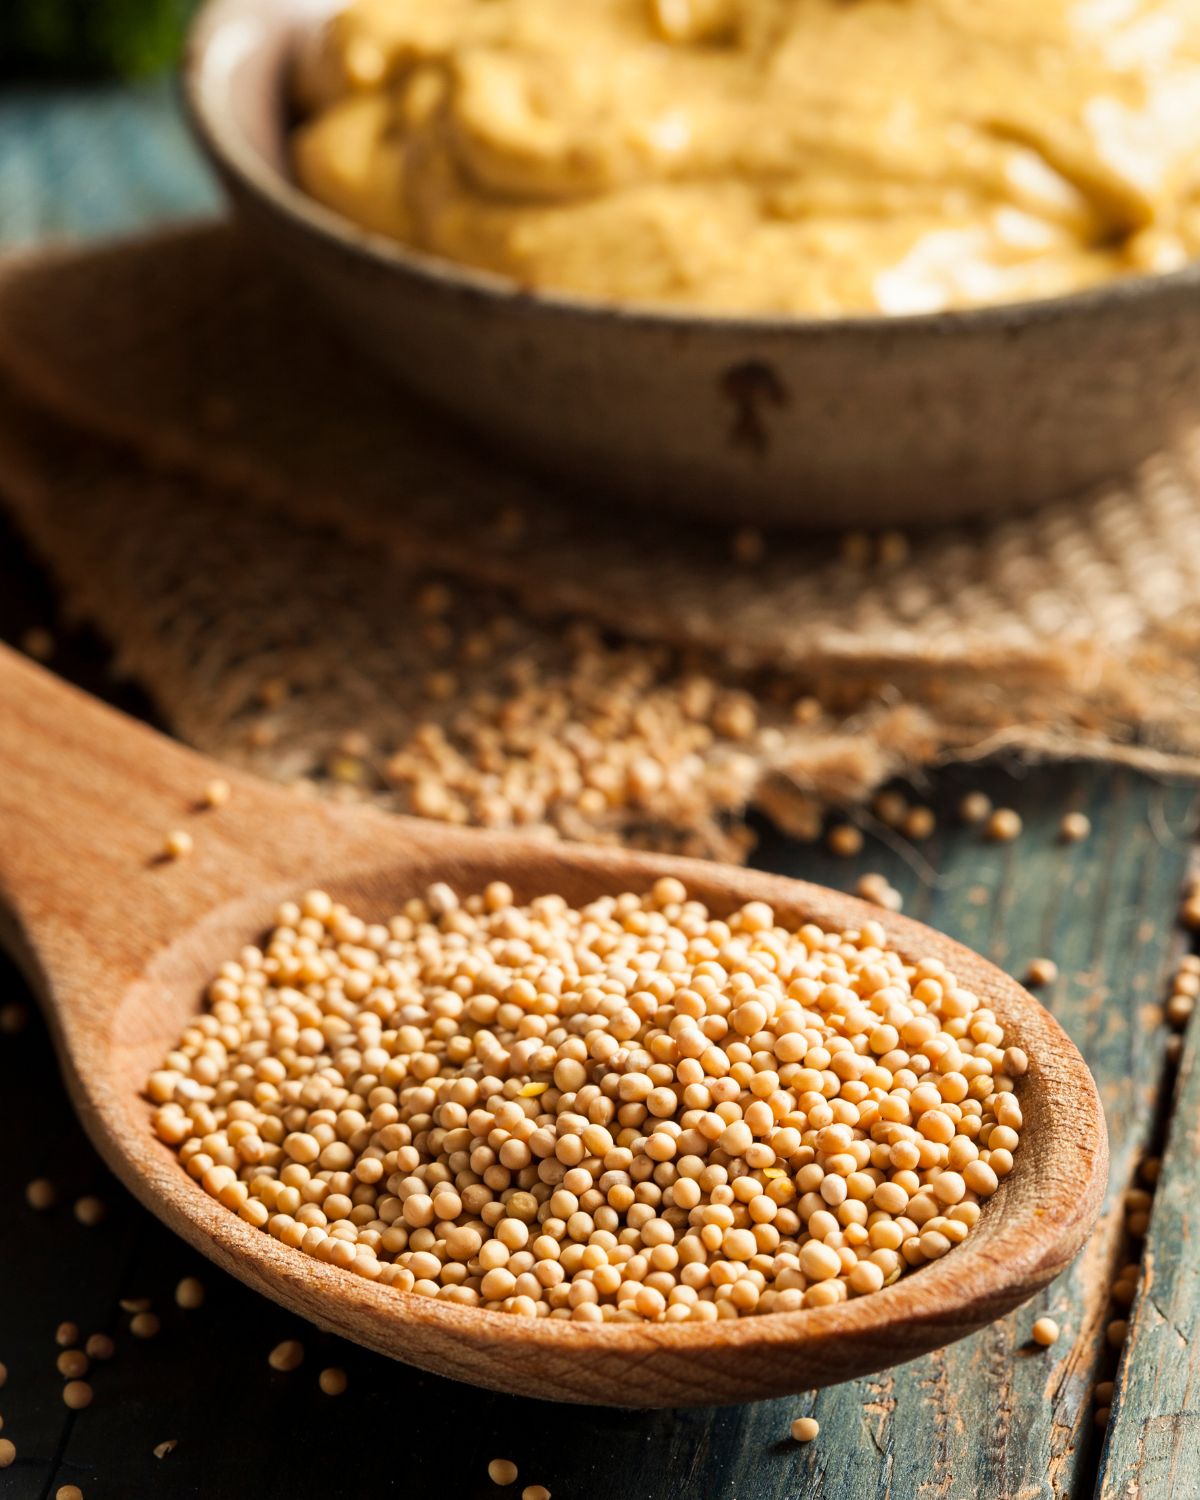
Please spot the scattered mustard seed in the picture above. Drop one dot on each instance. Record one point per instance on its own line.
(919, 824)
(8, 1453)
(974, 808)
(1045, 1331)
(1041, 971)
(160, 1450)
(502, 1471)
(90, 1211)
(535, 1492)
(178, 844)
(217, 793)
(65, 1334)
(99, 1346)
(14, 1017)
(3, 1375)
(1101, 1417)
(876, 888)
(41, 1194)
(1150, 1170)
(1103, 1393)
(845, 840)
(548, 1159)
(1003, 825)
(38, 643)
(891, 808)
(1117, 1332)
(805, 1429)
(72, 1363)
(287, 1356)
(333, 1381)
(68, 1492)
(1173, 1050)
(77, 1394)
(1179, 1009)
(189, 1294)
(145, 1325)
(135, 1304)
(1074, 828)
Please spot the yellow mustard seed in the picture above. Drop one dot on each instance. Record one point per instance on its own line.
(890, 807)
(535, 1492)
(1101, 1417)
(721, 1183)
(145, 1325)
(805, 1429)
(3, 1375)
(974, 807)
(41, 1194)
(1074, 828)
(65, 1334)
(333, 1381)
(845, 840)
(77, 1394)
(68, 1492)
(1179, 1009)
(1003, 825)
(72, 1363)
(160, 1450)
(99, 1346)
(919, 823)
(502, 1471)
(90, 1211)
(217, 793)
(287, 1356)
(8, 1453)
(178, 844)
(1116, 1333)
(134, 1304)
(1045, 1331)
(1041, 971)
(189, 1294)
(1103, 1394)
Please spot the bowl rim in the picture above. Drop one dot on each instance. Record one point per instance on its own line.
(234, 156)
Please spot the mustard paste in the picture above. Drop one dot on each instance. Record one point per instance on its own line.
(816, 157)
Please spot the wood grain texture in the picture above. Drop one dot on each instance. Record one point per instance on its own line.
(120, 941)
(988, 1419)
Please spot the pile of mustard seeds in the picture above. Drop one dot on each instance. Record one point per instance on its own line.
(635, 1110)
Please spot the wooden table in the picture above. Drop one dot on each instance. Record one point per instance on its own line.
(989, 1419)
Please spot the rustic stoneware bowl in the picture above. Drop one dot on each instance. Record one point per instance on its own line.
(814, 423)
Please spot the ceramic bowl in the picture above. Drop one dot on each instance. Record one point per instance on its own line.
(816, 423)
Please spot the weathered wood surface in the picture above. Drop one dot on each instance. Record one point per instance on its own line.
(989, 1418)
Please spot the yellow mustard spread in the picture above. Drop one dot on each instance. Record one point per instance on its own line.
(767, 156)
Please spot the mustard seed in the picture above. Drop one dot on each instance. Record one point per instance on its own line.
(189, 1294)
(72, 1363)
(3, 1375)
(1045, 1331)
(1103, 1394)
(974, 808)
(332, 1381)
(135, 1304)
(891, 808)
(14, 1017)
(919, 824)
(77, 1394)
(8, 1453)
(287, 1356)
(217, 793)
(1101, 1417)
(535, 1492)
(145, 1325)
(90, 1211)
(99, 1346)
(845, 840)
(66, 1333)
(626, 1112)
(1179, 1010)
(805, 1429)
(1117, 1332)
(502, 1471)
(1003, 825)
(37, 643)
(41, 1194)
(1074, 828)
(68, 1492)
(876, 888)
(1041, 971)
(160, 1450)
(1150, 1170)
(178, 844)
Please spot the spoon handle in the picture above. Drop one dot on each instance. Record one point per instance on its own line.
(87, 800)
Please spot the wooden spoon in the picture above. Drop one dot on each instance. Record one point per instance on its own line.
(120, 942)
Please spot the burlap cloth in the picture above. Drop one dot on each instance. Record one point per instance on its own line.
(314, 578)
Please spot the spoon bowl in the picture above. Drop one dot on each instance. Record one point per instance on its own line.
(120, 943)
